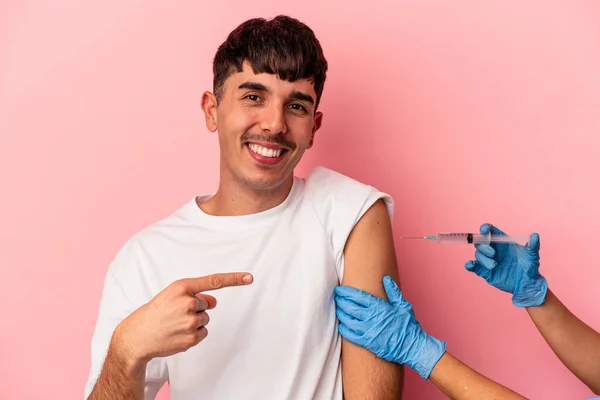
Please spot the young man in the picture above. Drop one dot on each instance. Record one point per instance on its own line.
(299, 238)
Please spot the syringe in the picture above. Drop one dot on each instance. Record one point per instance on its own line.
(470, 238)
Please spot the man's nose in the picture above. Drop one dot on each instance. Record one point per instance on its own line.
(273, 120)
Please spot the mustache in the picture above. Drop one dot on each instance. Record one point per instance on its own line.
(248, 137)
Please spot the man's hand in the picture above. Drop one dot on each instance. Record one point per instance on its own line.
(174, 320)
(511, 268)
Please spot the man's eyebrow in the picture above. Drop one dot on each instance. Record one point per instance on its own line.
(259, 87)
(302, 96)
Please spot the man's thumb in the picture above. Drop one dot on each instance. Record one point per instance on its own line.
(212, 302)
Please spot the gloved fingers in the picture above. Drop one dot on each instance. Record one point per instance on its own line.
(395, 297)
(349, 321)
(351, 308)
(486, 250)
(392, 291)
(533, 246)
(534, 271)
(470, 265)
(489, 228)
(350, 335)
(356, 295)
(485, 261)
(478, 269)
(406, 305)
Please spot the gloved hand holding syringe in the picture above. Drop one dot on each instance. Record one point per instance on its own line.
(470, 238)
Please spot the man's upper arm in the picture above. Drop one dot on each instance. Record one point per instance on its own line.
(369, 255)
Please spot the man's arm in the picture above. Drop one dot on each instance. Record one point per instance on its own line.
(170, 323)
(576, 344)
(121, 378)
(369, 255)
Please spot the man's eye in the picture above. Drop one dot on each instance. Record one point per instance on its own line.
(252, 97)
(298, 107)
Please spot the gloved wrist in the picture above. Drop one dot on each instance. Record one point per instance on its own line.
(533, 293)
(429, 354)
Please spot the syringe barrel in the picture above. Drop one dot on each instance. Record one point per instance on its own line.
(455, 238)
(482, 239)
(464, 238)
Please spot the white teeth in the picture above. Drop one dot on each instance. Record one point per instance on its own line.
(265, 152)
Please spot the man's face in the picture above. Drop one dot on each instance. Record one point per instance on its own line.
(265, 125)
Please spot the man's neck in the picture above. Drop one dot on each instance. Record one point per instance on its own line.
(234, 199)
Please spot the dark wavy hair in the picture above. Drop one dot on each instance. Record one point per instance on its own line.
(283, 46)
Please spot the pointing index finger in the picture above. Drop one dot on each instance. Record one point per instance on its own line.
(218, 281)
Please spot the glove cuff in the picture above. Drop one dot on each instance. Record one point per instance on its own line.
(429, 354)
(534, 295)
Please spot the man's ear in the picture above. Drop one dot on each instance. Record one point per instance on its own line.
(316, 126)
(209, 106)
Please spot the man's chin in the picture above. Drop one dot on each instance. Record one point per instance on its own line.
(267, 180)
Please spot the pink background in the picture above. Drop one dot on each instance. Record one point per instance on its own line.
(465, 111)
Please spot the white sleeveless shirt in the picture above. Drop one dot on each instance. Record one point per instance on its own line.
(274, 339)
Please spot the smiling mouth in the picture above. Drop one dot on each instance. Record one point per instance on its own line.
(265, 151)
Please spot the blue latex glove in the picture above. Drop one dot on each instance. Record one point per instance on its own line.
(388, 329)
(511, 268)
